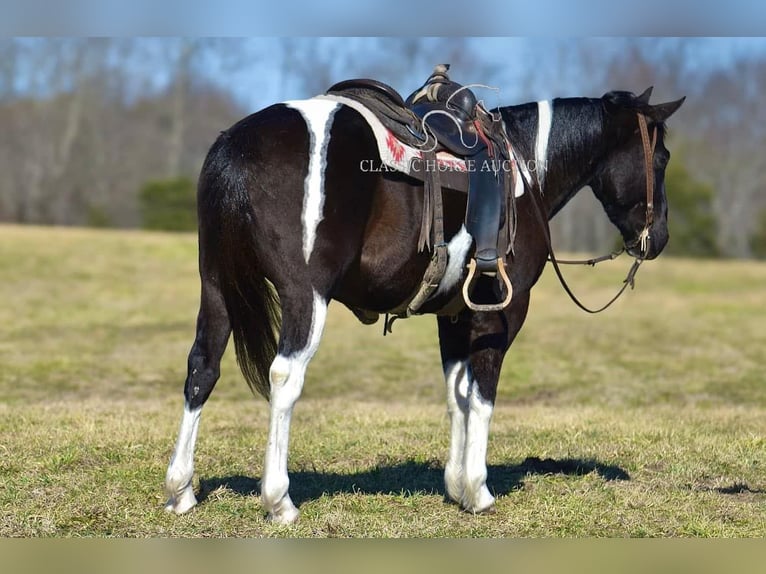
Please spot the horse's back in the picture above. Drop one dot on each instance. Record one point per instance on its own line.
(306, 200)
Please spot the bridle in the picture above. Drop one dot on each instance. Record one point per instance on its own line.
(642, 241)
(643, 237)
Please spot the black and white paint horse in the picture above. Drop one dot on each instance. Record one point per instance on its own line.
(289, 221)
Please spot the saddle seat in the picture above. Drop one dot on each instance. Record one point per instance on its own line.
(418, 123)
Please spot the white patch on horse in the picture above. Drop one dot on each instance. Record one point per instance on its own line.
(457, 376)
(318, 115)
(465, 474)
(518, 183)
(476, 495)
(457, 249)
(544, 120)
(286, 377)
(178, 480)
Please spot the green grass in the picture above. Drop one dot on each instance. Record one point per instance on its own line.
(648, 420)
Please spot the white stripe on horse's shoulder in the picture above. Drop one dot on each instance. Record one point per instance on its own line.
(318, 115)
(544, 120)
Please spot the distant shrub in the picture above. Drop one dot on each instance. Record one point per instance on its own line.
(691, 219)
(758, 238)
(169, 205)
(96, 216)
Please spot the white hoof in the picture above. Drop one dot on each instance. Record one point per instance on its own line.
(480, 502)
(181, 503)
(284, 512)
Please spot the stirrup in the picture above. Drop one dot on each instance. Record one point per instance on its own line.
(492, 306)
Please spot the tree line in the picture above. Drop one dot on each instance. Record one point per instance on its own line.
(112, 132)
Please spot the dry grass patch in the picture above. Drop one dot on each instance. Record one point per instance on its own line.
(646, 421)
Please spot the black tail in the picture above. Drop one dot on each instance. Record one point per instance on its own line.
(228, 252)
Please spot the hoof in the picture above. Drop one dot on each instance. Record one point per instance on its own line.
(182, 503)
(284, 512)
(285, 518)
(480, 503)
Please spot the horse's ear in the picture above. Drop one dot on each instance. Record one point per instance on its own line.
(661, 112)
(644, 98)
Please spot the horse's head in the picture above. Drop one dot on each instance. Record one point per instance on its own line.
(639, 211)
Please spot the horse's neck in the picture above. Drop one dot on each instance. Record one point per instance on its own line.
(573, 130)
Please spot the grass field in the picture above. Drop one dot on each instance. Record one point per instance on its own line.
(648, 420)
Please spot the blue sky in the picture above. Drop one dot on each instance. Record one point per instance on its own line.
(515, 60)
(543, 18)
(255, 70)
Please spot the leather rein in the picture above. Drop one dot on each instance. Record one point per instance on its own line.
(642, 241)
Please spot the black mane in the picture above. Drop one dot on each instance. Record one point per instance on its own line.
(583, 130)
(577, 132)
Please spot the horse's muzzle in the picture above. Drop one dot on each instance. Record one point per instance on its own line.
(652, 246)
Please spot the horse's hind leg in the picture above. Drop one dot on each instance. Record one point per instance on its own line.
(203, 371)
(303, 319)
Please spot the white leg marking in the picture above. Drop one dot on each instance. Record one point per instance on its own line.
(476, 496)
(458, 249)
(318, 115)
(456, 374)
(178, 480)
(286, 378)
(544, 119)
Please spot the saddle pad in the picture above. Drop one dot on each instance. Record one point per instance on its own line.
(399, 156)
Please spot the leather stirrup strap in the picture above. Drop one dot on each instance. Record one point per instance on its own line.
(432, 221)
(438, 264)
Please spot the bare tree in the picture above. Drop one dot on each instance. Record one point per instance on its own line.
(185, 52)
(91, 125)
(726, 138)
(86, 122)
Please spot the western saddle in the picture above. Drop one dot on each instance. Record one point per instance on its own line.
(442, 115)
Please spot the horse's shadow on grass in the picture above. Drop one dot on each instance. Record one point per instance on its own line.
(410, 477)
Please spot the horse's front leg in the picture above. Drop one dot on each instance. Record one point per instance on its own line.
(456, 373)
(465, 473)
(476, 497)
(299, 341)
(472, 351)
